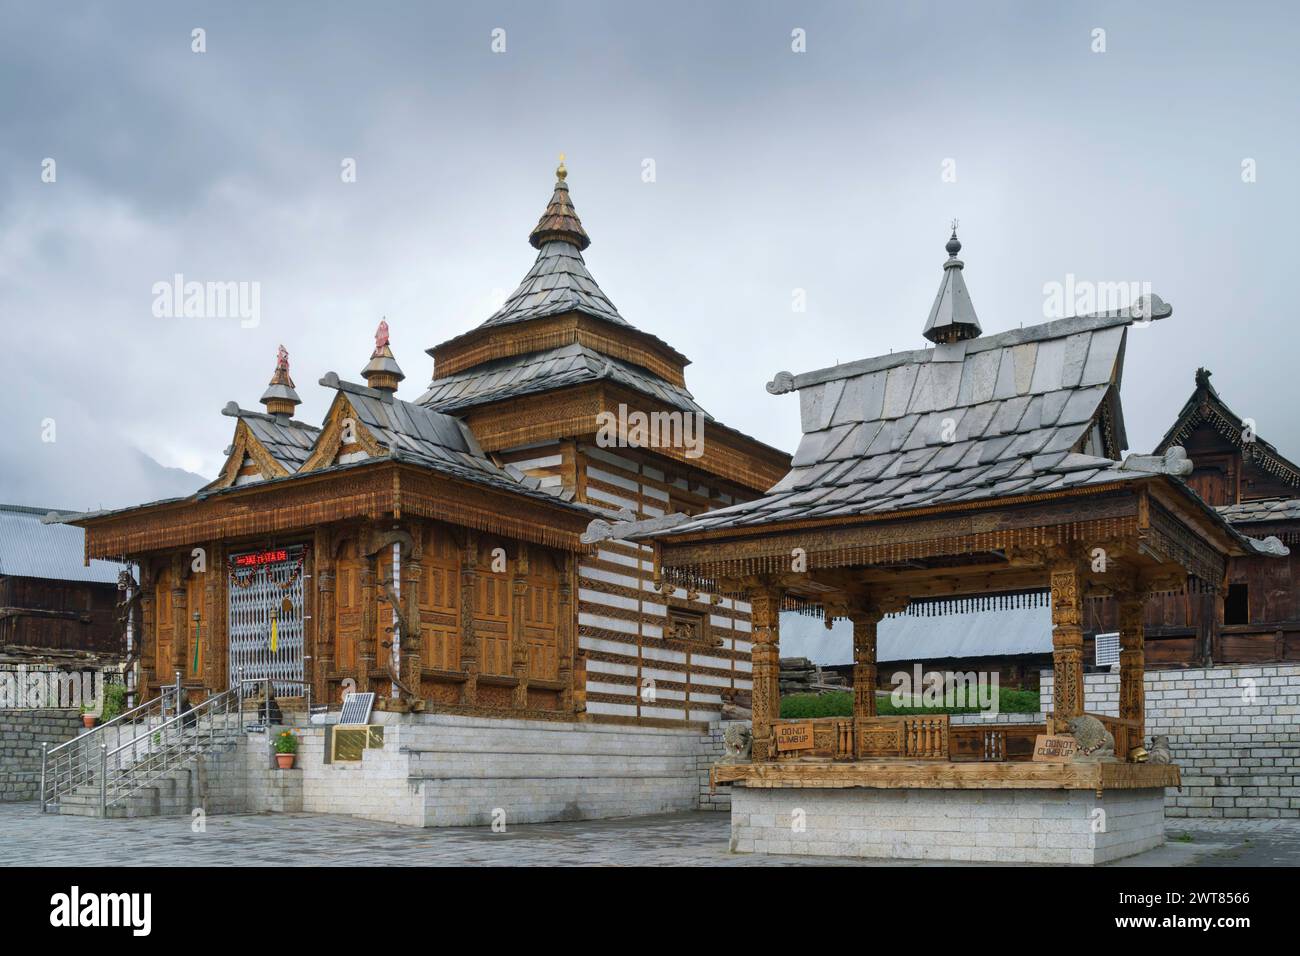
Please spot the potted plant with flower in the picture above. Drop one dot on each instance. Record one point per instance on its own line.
(286, 746)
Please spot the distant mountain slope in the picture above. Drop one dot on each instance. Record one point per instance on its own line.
(106, 475)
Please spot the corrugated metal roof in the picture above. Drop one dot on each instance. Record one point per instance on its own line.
(31, 549)
(570, 364)
(905, 637)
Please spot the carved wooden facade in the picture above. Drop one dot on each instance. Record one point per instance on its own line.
(443, 562)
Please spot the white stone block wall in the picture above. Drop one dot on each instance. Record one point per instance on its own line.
(375, 788)
(1234, 731)
(474, 770)
(1006, 826)
(710, 751)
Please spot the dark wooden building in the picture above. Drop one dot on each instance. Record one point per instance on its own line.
(52, 606)
(1255, 618)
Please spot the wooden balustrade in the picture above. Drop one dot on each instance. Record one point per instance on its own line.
(925, 737)
(918, 737)
(996, 742)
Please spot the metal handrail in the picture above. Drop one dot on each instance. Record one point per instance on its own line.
(158, 750)
(67, 766)
(268, 683)
(187, 734)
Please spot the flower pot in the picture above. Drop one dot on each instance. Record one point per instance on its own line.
(285, 761)
(88, 720)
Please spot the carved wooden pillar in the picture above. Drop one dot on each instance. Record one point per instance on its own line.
(864, 621)
(518, 634)
(469, 662)
(412, 639)
(212, 578)
(1132, 667)
(1067, 642)
(765, 624)
(323, 617)
(564, 634)
(182, 627)
(147, 637)
(369, 636)
(580, 684)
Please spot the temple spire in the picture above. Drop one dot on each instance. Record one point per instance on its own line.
(382, 372)
(560, 222)
(280, 398)
(952, 317)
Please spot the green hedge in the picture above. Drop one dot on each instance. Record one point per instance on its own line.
(840, 704)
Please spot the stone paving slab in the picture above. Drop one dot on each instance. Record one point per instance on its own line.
(29, 838)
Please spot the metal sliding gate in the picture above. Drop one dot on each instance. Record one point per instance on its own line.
(265, 616)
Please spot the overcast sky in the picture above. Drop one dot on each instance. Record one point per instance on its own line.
(775, 171)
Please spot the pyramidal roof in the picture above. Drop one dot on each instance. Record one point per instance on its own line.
(559, 281)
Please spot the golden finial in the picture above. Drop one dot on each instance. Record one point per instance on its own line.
(560, 172)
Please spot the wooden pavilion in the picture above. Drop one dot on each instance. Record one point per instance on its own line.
(982, 467)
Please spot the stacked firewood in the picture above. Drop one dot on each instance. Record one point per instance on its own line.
(799, 675)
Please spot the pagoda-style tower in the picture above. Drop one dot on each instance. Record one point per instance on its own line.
(535, 382)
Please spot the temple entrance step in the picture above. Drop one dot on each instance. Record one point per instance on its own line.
(169, 794)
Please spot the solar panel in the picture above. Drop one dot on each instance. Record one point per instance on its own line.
(1107, 649)
(356, 708)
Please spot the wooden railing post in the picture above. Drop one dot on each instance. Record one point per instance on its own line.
(765, 618)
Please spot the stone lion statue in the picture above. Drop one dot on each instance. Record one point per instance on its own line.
(736, 742)
(1159, 752)
(1091, 737)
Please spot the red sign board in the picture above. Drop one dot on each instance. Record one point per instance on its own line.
(257, 558)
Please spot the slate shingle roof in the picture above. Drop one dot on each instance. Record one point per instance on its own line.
(1003, 415)
(558, 282)
(1265, 509)
(445, 444)
(288, 441)
(571, 364)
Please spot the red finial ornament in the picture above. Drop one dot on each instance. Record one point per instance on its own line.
(282, 358)
(381, 336)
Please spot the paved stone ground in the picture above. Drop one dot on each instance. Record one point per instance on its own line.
(30, 838)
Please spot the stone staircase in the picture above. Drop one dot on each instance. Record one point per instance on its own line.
(175, 793)
(155, 766)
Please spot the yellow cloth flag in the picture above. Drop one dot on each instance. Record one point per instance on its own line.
(275, 637)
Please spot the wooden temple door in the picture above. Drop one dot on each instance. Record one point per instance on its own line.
(440, 600)
(492, 608)
(541, 621)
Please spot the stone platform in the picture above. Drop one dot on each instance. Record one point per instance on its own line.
(1006, 812)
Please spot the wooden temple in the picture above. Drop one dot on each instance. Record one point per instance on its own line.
(431, 551)
(1255, 617)
(985, 465)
